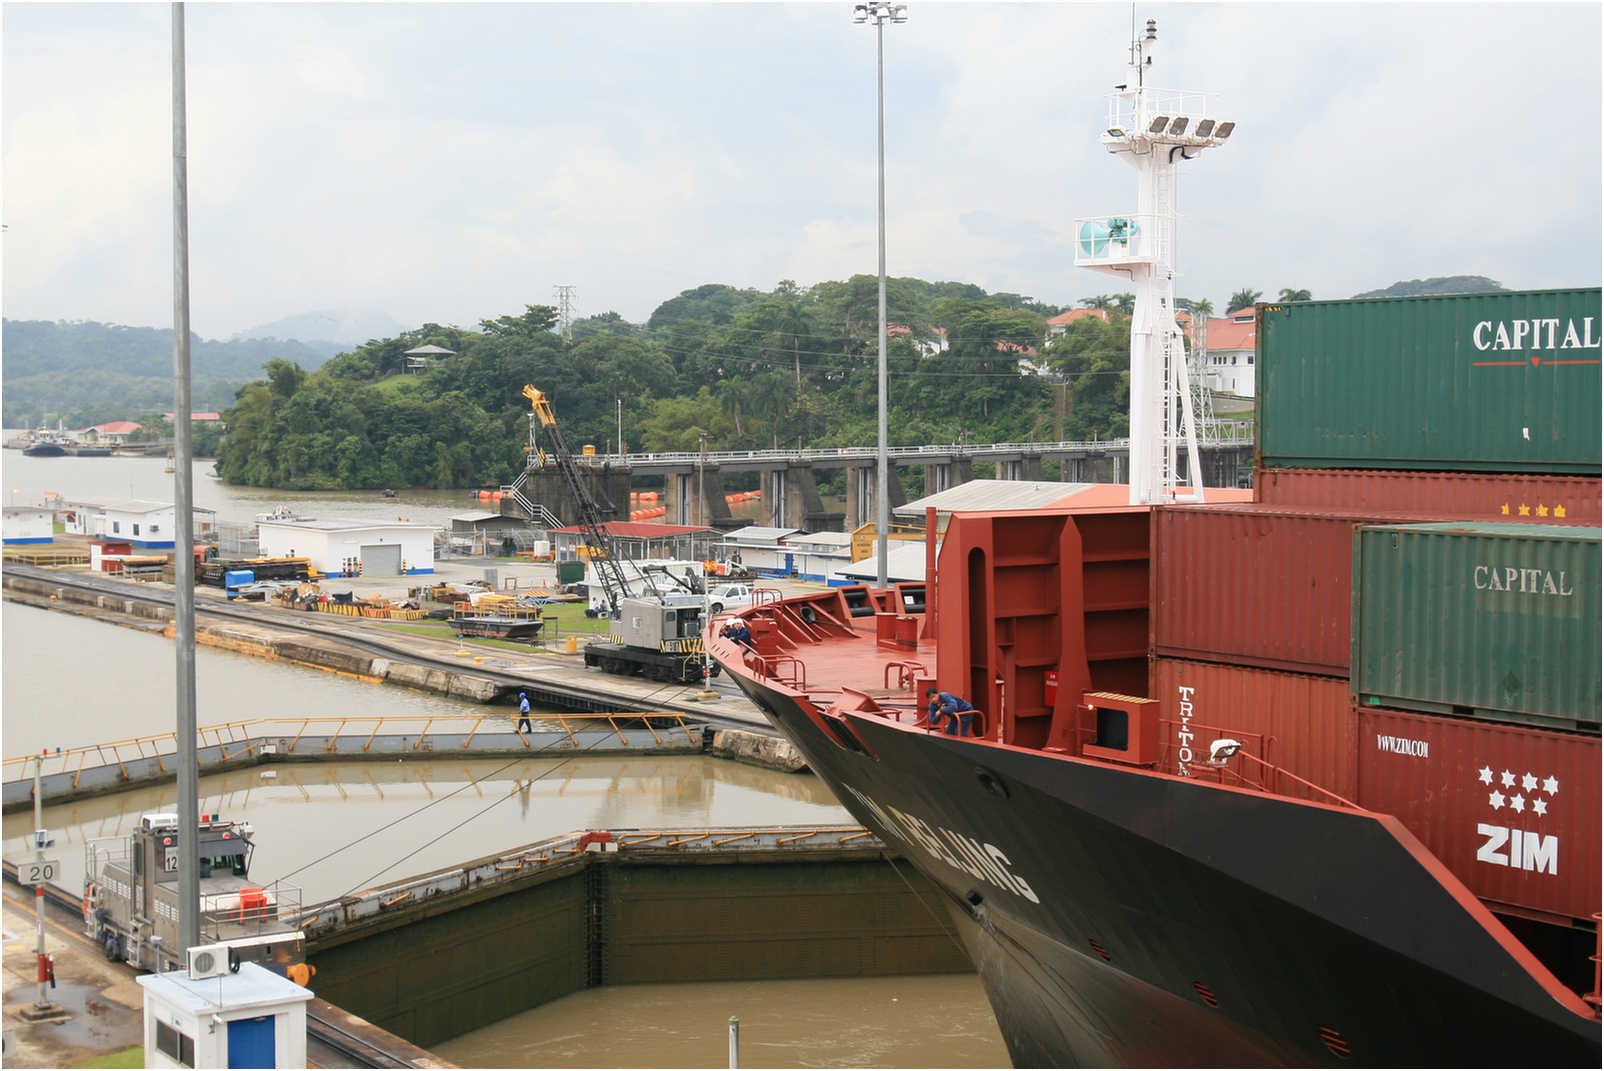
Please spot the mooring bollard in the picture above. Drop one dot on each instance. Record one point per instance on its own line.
(735, 1042)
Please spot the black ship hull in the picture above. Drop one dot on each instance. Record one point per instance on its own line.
(1119, 917)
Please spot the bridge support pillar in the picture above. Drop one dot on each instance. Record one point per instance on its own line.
(863, 488)
(794, 502)
(699, 497)
(1030, 467)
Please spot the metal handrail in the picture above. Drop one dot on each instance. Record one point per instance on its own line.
(242, 732)
(866, 454)
(769, 666)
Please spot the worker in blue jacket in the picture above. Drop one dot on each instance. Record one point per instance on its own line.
(957, 712)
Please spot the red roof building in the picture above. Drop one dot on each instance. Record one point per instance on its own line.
(115, 432)
(642, 539)
(1231, 343)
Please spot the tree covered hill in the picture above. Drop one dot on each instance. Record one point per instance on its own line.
(736, 368)
(1446, 284)
(86, 372)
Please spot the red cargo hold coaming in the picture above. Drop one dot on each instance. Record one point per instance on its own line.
(1305, 722)
(1258, 585)
(1463, 496)
(1512, 811)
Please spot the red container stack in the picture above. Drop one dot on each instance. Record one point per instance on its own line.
(1447, 495)
(1512, 811)
(1301, 723)
(1257, 585)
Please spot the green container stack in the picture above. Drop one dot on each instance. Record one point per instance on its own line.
(1496, 382)
(1490, 620)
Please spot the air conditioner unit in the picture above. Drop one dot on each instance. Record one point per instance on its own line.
(208, 961)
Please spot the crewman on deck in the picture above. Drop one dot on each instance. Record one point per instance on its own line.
(956, 711)
(523, 712)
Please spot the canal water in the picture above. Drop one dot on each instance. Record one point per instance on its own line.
(331, 828)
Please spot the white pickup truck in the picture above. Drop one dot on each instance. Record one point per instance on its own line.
(729, 597)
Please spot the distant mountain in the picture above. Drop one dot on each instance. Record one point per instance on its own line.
(85, 372)
(1448, 284)
(326, 331)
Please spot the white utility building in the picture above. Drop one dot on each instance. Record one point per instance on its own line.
(344, 545)
(759, 548)
(196, 1018)
(140, 522)
(816, 556)
(29, 524)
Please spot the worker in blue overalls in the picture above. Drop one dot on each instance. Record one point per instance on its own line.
(958, 713)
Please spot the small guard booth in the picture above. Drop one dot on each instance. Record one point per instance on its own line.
(254, 1018)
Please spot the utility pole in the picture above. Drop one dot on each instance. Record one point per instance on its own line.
(564, 293)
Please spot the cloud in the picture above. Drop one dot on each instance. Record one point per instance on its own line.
(455, 162)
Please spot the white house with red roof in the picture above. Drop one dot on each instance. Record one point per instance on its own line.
(1231, 342)
(115, 433)
(927, 347)
(1057, 325)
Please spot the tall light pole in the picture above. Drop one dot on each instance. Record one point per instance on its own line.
(183, 507)
(880, 12)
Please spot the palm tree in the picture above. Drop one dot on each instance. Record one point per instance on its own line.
(1102, 302)
(1242, 299)
(1295, 295)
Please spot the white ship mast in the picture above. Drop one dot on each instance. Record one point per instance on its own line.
(1153, 130)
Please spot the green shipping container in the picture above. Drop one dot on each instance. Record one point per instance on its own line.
(1500, 382)
(1492, 620)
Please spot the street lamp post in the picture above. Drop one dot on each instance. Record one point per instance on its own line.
(880, 12)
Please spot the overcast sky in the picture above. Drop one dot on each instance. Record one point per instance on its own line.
(454, 162)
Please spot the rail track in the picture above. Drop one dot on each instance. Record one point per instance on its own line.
(334, 1037)
(570, 695)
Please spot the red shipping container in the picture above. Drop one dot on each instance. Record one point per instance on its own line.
(1300, 723)
(1462, 496)
(1257, 585)
(1512, 811)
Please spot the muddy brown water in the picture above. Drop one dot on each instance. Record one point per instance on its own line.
(72, 681)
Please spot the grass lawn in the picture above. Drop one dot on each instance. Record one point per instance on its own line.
(133, 1056)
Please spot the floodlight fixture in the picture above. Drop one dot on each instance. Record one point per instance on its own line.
(1152, 29)
(1116, 132)
(1178, 125)
(1223, 131)
(1205, 127)
(1158, 124)
(860, 13)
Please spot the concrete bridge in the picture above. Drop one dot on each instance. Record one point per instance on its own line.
(693, 489)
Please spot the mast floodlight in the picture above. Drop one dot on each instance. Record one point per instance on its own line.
(1115, 132)
(860, 13)
(1205, 127)
(1158, 124)
(1152, 29)
(1223, 131)
(1178, 126)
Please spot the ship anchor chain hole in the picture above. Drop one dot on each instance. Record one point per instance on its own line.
(991, 782)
